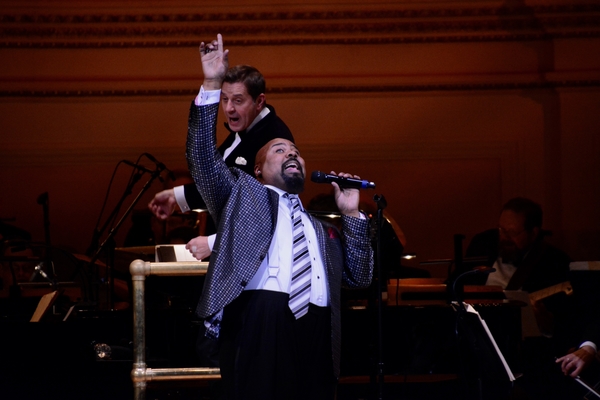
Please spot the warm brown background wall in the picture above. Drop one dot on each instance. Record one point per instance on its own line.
(451, 108)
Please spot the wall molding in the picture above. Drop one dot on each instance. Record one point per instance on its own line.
(62, 154)
(367, 25)
(332, 89)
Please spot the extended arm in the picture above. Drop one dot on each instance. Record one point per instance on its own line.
(163, 204)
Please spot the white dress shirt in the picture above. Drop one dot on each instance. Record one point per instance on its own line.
(502, 274)
(275, 271)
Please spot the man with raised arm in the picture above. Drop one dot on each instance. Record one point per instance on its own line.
(251, 124)
(272, 290)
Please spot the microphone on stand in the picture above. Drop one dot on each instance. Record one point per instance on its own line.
(457, 292)
(39, 270)
(160, 166)
(484, 270)
(350, 183)
(137, 166)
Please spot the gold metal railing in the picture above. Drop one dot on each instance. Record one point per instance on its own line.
(140, 374)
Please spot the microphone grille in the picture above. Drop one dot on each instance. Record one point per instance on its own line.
(317, 177)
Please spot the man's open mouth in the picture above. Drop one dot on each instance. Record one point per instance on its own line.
(291, 164)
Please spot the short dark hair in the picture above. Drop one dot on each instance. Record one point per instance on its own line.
(249, 76)
(528, 208)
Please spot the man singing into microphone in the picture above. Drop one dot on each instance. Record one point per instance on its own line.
(272, 291)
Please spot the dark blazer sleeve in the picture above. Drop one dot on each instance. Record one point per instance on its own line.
(591, 326)
(211, 175)
(358, 252)
(192, 197)
(585, 310)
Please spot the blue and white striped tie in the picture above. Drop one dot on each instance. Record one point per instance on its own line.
(301, 268)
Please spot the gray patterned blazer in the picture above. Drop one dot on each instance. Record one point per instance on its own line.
(246, 213)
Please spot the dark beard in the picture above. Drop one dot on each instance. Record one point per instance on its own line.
(294, 183)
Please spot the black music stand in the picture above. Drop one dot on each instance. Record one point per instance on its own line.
(482, 361)
(593, 391)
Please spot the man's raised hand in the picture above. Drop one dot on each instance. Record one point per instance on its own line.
(215, 62)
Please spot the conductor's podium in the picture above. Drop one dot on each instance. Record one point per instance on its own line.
(140, 373)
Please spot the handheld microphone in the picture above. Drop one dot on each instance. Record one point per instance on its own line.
(350, 183)
(161, 166)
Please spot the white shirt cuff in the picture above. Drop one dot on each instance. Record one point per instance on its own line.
(206, 97)
(591, 344)
(211, 241)
(179, 192)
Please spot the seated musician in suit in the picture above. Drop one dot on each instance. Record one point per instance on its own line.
(523, 260)
(518, 252)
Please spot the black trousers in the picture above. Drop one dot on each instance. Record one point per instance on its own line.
(266, 353)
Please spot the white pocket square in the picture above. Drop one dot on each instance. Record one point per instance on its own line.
(241, 161)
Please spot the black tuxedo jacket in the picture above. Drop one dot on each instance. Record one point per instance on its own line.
(242, 157)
